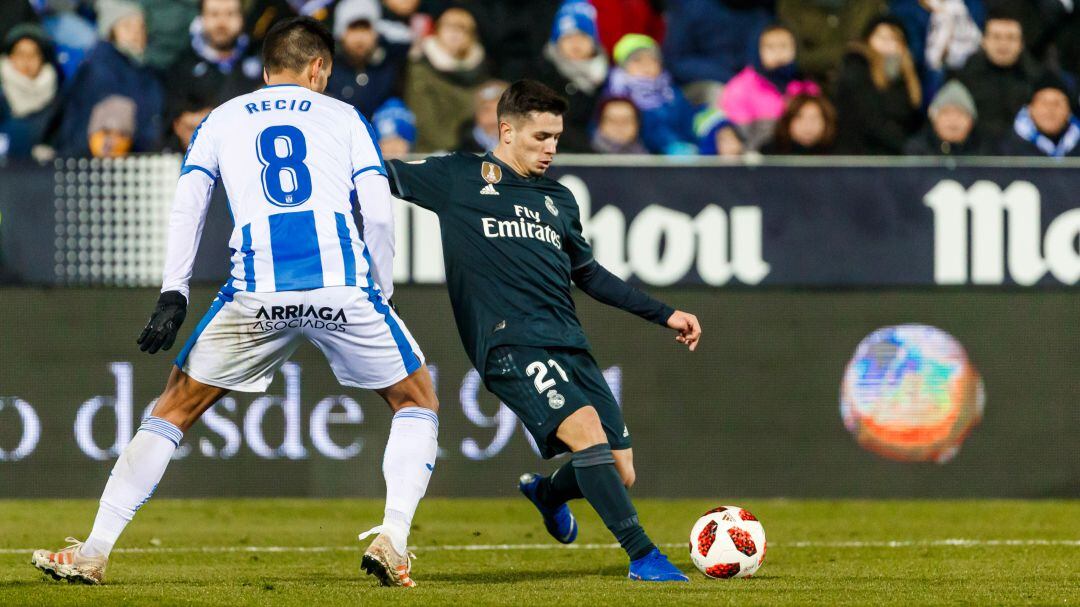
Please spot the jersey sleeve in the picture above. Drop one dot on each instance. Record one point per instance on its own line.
(424, 182)
(575, 245)
(202, 152)
(190, 203)
(366, 155)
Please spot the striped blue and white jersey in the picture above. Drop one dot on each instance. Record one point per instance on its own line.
(293, 163)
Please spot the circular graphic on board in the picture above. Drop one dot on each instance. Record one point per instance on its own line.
(911, 394)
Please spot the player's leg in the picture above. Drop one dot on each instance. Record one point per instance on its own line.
(409, 457)
(134, 477)
(603, 487)
(372, 348)
(230, 349)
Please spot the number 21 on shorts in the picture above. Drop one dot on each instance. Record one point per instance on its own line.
(539, 371)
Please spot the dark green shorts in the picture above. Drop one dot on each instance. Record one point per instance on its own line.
(543, 386)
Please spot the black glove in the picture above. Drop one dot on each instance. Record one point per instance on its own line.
(160, 331)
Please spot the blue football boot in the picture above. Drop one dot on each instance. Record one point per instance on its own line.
(560, 523)
(655, 567)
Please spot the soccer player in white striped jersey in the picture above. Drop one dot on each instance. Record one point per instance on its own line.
(293, 163)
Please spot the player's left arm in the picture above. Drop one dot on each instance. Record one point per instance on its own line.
(186, 220)
(600, 284)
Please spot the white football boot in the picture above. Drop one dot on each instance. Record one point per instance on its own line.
(384, 562)
(70, 564)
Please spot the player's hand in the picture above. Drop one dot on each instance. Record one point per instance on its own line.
(688, 327)
(160, 331)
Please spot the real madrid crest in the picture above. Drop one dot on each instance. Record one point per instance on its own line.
(551, 205)
(491, 172)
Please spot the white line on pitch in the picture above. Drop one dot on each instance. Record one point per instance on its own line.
(956, 542)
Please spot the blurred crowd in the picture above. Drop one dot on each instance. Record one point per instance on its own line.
(107, 78)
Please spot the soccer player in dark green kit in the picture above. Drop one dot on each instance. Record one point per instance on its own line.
(512, 244)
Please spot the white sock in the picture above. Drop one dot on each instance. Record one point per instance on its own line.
(407, 465)
(132, 482)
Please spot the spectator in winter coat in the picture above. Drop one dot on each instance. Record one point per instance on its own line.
(513, 33)
(879, 94)
(168, 30)
(395, 127)
(1000, 77)
(666, 116)
(711, 40)
(219, 63)
(951, 131)
(29, 81)
(366, 72)
(824, 29)
(114, 67)
(442, 76)
(754, 99)
(574, 65)
(1046, 126)
(618, 128)
(807, 128)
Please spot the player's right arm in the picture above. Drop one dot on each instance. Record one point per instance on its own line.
(192, 199)
(426, 182)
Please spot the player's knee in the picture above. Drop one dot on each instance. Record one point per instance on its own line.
(582, 429)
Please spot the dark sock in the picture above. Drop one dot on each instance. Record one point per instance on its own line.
(559, 488)
(601, 485)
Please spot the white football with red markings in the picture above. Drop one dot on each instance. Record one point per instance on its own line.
(727, 542)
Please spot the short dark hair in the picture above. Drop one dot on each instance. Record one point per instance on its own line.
(1001, 13)
(526, 96)
(294, 43)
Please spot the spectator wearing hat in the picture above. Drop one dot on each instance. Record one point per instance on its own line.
(666, 116)
(718, 136)
(573, 64)
(951, 130)
(395, 127)
(879, 94)
(219, 63)
(442, 77)
(823, 30)
(111, 128)
(1001, 76)
(114, 67)
(367, 71)
(29, 81)
(1046, 126)
(709, 41)
(481, 134)
(754, 99)
(807, 128)
(618, 128)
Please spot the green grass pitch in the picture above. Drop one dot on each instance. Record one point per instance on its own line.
(209, 552)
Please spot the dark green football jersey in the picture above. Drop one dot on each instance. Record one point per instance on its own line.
(509, 245)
